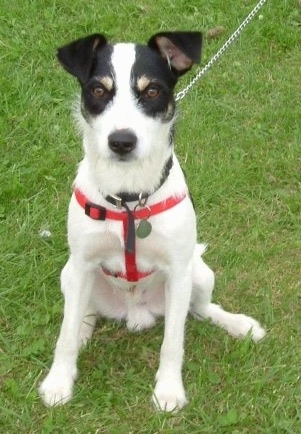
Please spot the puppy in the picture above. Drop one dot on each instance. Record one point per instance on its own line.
(131, 225)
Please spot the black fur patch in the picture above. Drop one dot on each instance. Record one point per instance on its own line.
(101, 68)
(148, 66)
(151, 65)
(154, 73)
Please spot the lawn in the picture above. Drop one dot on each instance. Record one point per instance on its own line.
(239, 141)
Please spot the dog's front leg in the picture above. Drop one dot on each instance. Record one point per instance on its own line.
(169, 393)
(77, 280)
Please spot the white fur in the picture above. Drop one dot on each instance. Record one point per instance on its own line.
(180, 281)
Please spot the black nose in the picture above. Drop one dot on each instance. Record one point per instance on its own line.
(122, 141)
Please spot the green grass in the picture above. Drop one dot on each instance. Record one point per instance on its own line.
(239, 139)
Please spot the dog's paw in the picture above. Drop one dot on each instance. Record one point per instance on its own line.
(56, 389)
(169, 396)
(241, 325)
(140, 319)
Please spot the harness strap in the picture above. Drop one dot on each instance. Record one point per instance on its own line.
(98, 212)
(130, 245)
(128, 217)
(140, 274)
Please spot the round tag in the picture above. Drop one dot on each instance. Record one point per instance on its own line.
(144, 228)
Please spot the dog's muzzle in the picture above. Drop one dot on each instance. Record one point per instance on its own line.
(122, 142)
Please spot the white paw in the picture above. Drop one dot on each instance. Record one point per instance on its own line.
(241, 325)
(140, 319)
(169, 396)
(56, 389)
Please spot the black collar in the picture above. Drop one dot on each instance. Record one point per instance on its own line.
(123, 197)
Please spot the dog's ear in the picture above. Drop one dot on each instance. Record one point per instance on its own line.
(180, 49)
(77, 57)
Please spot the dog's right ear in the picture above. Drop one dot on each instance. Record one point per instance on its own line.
(77, 57)
(180, 49)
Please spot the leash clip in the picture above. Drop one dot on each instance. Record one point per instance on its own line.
(142, 200)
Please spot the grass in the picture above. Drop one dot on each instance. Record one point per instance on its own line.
(239, 139)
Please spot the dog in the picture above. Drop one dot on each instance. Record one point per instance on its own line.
(131, 223)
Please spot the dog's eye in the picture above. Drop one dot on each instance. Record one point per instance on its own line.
(98, 91)
(152, 92)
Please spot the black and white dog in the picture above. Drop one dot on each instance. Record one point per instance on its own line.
(131, 226)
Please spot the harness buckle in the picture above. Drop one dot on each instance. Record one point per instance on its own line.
(96, 212)
(117, 200)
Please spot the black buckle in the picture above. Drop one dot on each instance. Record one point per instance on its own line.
(91, 206)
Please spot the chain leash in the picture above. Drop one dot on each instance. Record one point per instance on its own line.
(180, 95)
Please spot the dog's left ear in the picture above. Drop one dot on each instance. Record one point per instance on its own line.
(180, 49)
(78, 56)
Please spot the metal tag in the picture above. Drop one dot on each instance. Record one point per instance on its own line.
(144, 228)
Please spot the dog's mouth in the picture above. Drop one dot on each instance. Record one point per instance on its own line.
(128, 158)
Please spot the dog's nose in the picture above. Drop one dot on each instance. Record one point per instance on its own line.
(122, 141)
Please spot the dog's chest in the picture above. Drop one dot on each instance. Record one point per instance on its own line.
(105, 247)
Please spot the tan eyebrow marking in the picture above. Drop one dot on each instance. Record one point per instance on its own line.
(142, 83)
(106, 81)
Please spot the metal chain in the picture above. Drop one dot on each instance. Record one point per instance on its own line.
(180, 95)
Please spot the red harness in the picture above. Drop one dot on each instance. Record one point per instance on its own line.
(97, 212)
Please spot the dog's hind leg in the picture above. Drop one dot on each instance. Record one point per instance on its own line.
(77, 282)
(237, 325)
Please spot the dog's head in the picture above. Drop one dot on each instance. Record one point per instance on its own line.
(127, 99)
